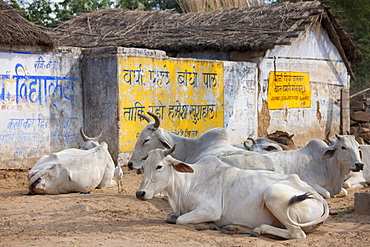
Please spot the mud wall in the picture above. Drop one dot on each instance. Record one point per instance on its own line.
(312, 54)
(40, 105)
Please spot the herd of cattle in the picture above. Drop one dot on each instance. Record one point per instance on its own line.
(269, 187)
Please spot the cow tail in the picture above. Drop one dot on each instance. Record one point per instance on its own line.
(299, 198)
(294, 199)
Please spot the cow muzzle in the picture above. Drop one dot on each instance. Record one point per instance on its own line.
(130, 165)
(359, 166)
(140, 195)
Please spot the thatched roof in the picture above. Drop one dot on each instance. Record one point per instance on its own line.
(236, 29)
(16, 30)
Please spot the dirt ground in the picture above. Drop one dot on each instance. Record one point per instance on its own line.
(106, 218)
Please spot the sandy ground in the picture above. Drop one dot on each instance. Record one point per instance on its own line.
(106, 218)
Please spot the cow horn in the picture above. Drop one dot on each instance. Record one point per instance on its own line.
(245, 143)
(338, 136)
(327, 137)
(84, 137)
(169, 151)
(145, 117)
(253, 141)
(156, 118)
(291, 136)
(98, 137)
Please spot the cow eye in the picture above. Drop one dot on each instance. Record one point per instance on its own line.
(344, 148)
(146, 141)
(145, 157)
(158, 167)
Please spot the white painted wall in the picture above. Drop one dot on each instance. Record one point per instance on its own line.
(40, 105)
(240, 101)
(313, 53)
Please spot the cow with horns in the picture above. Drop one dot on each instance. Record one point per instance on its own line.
(213, 142)
(211, 195)
(73, 170)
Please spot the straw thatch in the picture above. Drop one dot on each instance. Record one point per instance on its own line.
(235, 29)
(16, 30)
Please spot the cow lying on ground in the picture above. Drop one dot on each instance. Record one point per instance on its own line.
(213, 142)
(72, 170)
(211, 191)
(359, 179)
(321, 166)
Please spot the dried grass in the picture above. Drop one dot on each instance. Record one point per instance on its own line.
(209, 5)
(231, 29)
(16, 30)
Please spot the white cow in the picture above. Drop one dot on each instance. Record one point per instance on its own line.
(210, 191)
(89, 142)
(359, 179)
(73, 170)
(262, 145)
(213, 142)
(321, 166)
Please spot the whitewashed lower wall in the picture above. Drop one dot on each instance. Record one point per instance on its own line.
(240, 101)
(313, 53)
(40, 105)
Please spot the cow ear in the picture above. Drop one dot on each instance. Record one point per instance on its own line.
(166, 145)
(163, 139)
(182, 167)
(328, 153)
(270, 148)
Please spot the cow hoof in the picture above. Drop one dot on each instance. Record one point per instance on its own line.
(228, 230)
(214, 227)
(254, 235)
(200, 226)
(85, 192)
(171, 218)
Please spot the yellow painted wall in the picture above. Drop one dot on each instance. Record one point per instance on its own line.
(186, 94)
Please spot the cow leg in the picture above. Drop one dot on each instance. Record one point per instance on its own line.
(171, 218)
(343, 192)
(322, 191)
(233, 229)
(289, 233)
(199, 217)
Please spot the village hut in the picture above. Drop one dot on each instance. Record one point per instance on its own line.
(16, 31)
(220, 33)
(290, 40)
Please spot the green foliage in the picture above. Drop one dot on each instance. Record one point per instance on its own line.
(68, 9)
(17, 4)
(148, 4)
(40, 12)
(357, 13)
